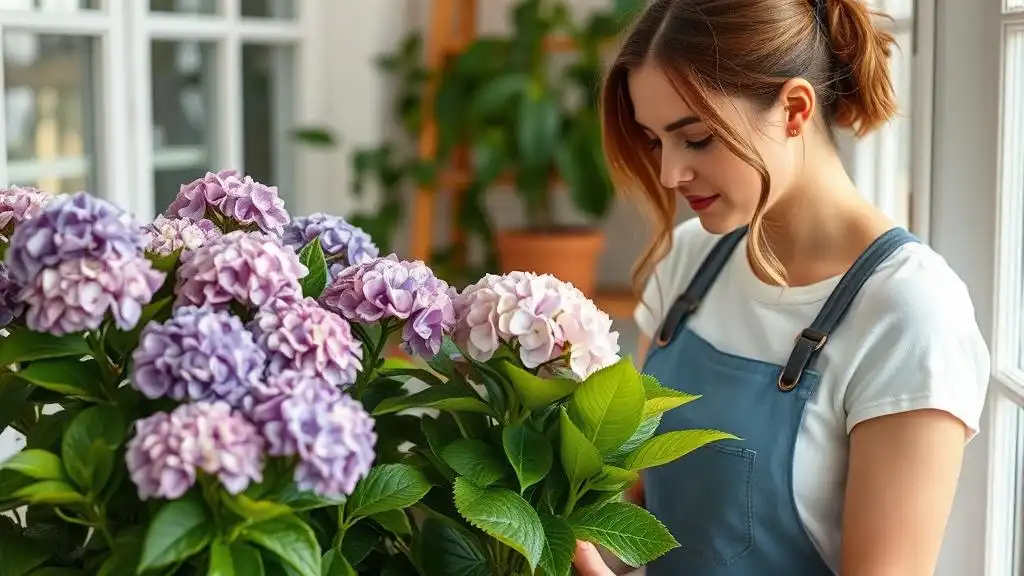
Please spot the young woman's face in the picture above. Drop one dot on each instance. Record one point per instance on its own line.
(718, 185)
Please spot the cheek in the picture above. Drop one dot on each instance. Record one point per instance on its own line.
(734, 179)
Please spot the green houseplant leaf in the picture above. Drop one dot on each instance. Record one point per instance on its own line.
(335, 564)
(36, 464)
(447, 549)
(669, 446)
(234, 559)
(627, 530)
(529, 453)
(644, 432)
(613, 478)
(608, 405)
(312, 257)
(476, 460)
(291, 540)
(660, 399)
(559, 546)
(536, 392)
(387, 487)
(72, 377)
(54, 492)
(24, 345)
(179, 530)
(447, 397)
(504, 515)
(580, 458)
(102, 426)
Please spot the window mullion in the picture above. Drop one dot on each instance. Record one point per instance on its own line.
(114, 177)
(230, 142)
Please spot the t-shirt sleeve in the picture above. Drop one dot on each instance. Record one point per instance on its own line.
(922, 349)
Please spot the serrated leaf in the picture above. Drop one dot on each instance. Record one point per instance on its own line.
(72, 377)
(24, 345)
(448, 549)
(291, 540)
(627, 530)
(614, 478)
(403, 374)
(536, 392)
(448, 397)
(335, 564)
(37, 464)
(387, 487)
(660, 399)
(254, 510)
(359, 541)
(394, 521)
(179, 530)
(608, 405)
(476, 460)
(559, 546)
(20, 555)
(312, 257)
(580, 458)
(504, 515)
(235, 559)
(669, 446)
(102, 424)
(54, 492)
(529, 453)
(643, 433)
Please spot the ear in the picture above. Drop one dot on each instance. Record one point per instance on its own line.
(798, 100)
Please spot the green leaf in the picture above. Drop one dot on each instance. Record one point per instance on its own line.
(304, 500)
(608, 405)
(124, 341)
(99, 424)
(24, 345)
(540, 121)
(387, 487)
(669, 446)
(580, 457)
(536, 392)
(37, 464)
(504, 515)
(234, 559)
(312, 257)
(497, 95)
(476, 460)
(647, 429)
(255, 510)
(359, 541)
(394, 521)
(72, 377)
(14, 393)
(625, 529)
(661, 399)
(335, 564)
(425, 376)
(178, 531)
(613, 478)
(447, 549)
(291, 540)
(318, 137)
(559, 546)
(20, 555)
(49, 492)
(449, 397)
(529, 453)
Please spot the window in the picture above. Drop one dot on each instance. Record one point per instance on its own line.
(129, 99)
(1006, 522)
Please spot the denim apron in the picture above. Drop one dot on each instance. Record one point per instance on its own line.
(731, 505)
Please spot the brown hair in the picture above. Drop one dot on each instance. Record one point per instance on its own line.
(749, 49)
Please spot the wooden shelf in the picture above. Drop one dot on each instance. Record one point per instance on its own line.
(617, 302)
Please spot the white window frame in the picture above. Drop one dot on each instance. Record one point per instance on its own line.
(1007, 398)
(124, 31)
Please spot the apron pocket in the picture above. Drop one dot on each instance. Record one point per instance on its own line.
(706, 499)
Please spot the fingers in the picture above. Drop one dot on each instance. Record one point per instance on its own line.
(588, 561)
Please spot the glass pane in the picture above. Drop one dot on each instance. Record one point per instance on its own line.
(895, 8)
(1012, 177)
(268, 116)
(1018, 547)
(184, 6)
(49, 110)
(183, 115)
(49, 5)
(268, 8)
(1013, 5)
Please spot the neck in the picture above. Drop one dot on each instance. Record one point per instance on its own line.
(821, 224)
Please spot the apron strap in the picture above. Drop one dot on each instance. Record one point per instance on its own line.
(690, 299)
(811, 340)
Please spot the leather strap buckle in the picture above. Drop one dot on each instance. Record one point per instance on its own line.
(808, 343)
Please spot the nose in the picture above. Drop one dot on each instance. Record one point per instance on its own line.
(676, 171)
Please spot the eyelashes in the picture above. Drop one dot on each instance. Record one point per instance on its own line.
(654, 144)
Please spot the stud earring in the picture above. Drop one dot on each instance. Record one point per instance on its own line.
(794, 132)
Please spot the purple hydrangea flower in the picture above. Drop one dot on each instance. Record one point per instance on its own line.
(198, 354)
(225, 195)
(76, 294)
(252, 269)
(17, 205)
(168, 449)
(343, 243)
(10, 306)
(303, 337)
(168, 235)
(386, 288)
(69, 228)
(331, 433)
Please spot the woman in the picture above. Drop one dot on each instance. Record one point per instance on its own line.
(843, 352)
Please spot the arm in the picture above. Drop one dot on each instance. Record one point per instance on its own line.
(902, 477)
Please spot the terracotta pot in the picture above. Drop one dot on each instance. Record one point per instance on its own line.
(569, 254)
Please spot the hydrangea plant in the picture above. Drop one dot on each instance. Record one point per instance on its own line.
(215, 392)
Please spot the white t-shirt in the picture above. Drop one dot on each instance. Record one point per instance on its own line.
(909, 341)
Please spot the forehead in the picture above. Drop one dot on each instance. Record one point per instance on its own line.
(656, 102)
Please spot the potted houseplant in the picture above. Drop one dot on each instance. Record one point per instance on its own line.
(520, 119)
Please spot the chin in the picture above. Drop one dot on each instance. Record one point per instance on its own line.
(719, 224)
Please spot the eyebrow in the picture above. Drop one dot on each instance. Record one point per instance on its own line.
(677, 124)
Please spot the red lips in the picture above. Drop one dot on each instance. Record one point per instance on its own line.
(699, 203)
